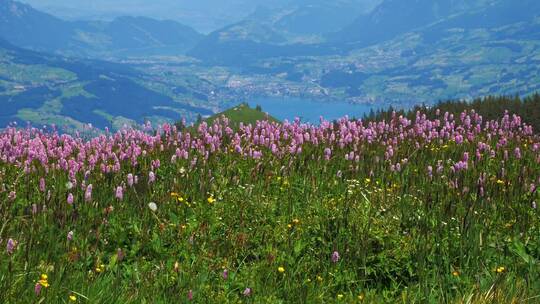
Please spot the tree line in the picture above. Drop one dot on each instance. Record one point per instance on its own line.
(490, 107)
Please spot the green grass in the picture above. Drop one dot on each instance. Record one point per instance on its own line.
(242, 114)
(402, 237)
(35, 73)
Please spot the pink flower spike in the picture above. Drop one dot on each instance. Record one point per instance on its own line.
(11, 246)
(130, 179)
(335, 257)
(37, 289)
(225, 274)
(119, 193)
(88, 193)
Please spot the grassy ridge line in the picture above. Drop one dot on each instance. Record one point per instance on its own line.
(242, 114)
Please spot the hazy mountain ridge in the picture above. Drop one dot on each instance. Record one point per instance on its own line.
(394, 17)
(400, 53)
(204, 15)
(408, 52)
(128, 35)
(388, 20)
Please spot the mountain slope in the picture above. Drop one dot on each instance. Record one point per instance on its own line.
(33, 28)
(140, 33)
(204, 15)
(394, 17)
(123, 35)
(491, 50)
(293, 30)
(45, 89)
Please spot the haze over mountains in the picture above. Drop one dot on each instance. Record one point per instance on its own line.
(398, 52)
(204, 15)
(121, 36)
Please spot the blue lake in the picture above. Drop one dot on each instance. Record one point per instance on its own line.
(309, 110)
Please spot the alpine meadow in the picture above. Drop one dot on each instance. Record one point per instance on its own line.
(269, 152)
(440, 210)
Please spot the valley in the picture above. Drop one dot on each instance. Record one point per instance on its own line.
(455, 50)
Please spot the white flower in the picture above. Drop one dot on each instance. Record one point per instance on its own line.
(152, 206)
(69, 185)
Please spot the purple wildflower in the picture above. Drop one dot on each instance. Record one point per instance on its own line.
(88, 193)
(37, 289)
(225, 274)
(42, 184)
(335, 257)
(119, 193)
(11, 246)
(130, 179)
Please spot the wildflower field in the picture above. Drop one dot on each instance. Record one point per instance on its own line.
(398, 211)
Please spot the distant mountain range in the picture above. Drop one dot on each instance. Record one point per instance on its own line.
(203, 15)
(338, 27)
(122, 36)
(401, 52)
(394, 17)
(293, 30)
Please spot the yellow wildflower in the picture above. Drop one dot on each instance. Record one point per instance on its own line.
(211, 200)
(281, 269)
(500, 269)
(100, 268)
(43, 281)
(340, 296)
(455, 273)
(73, 298)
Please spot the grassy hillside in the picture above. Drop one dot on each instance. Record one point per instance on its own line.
(242, 114)
(439, 210)
(51, 89)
